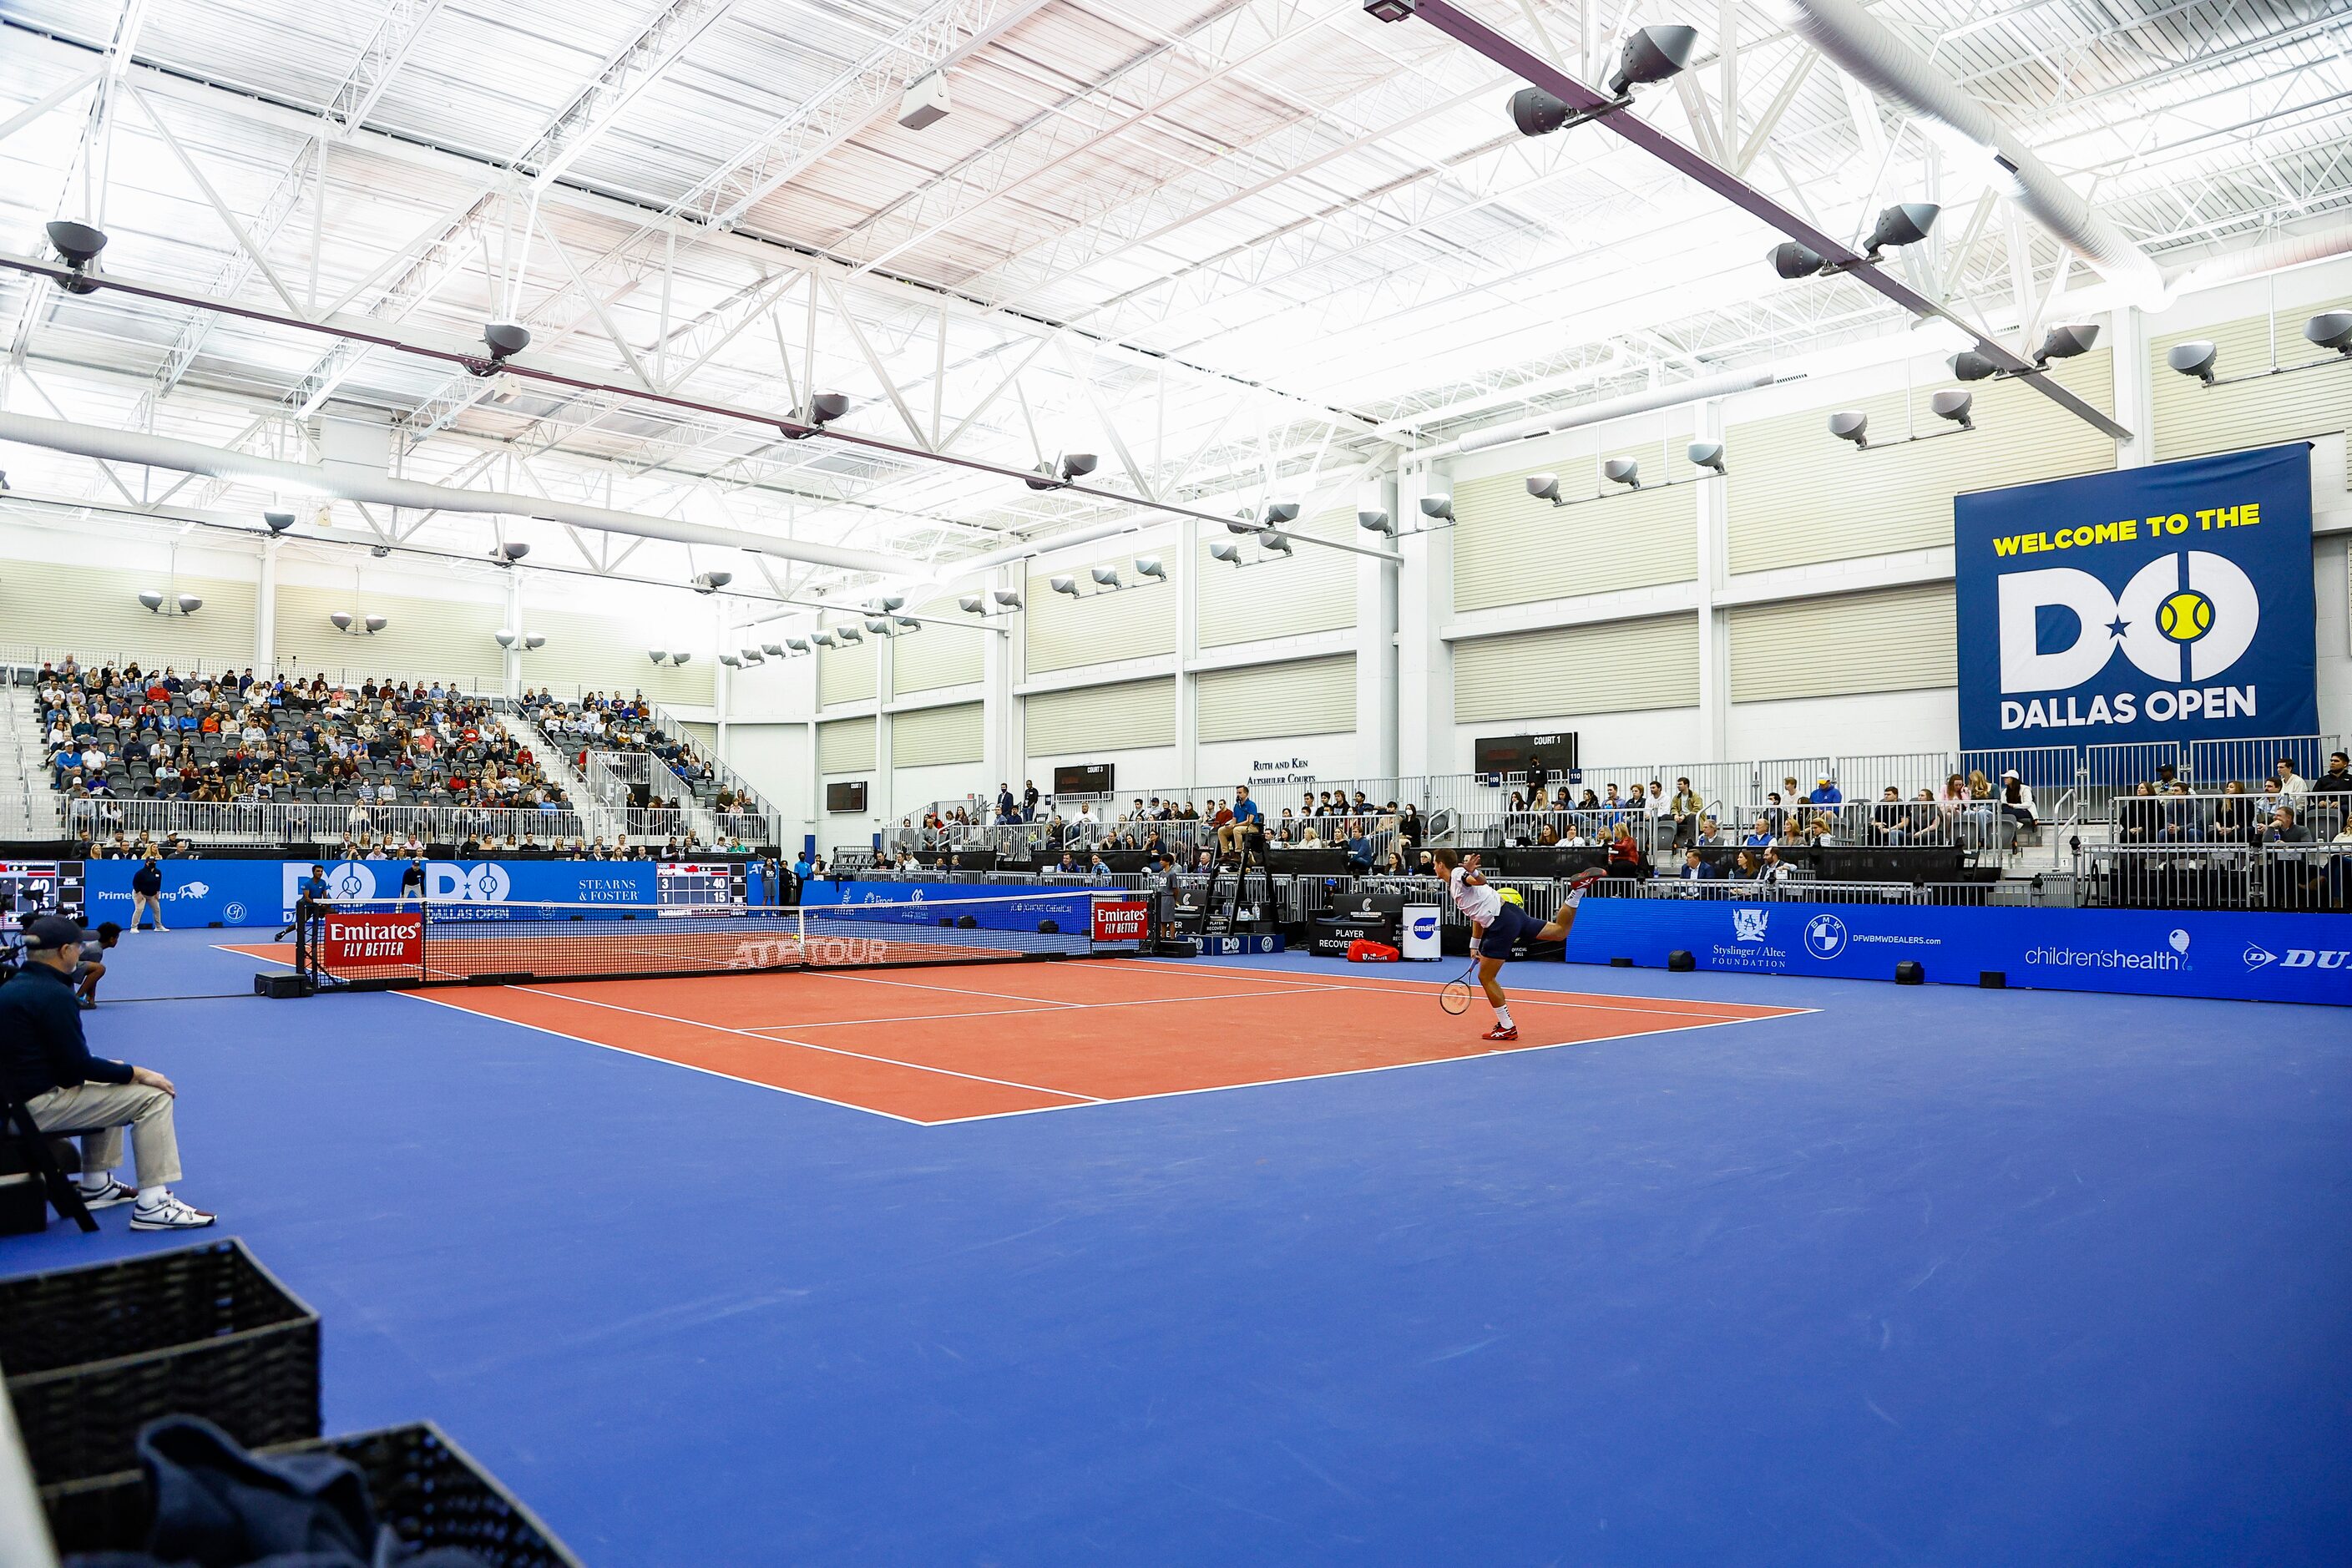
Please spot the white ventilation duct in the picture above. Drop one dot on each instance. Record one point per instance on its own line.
(1873, 55)
(217, 462)
(2273, 256)
(1656, 397)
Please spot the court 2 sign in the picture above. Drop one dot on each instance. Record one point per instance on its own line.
(2171, 603)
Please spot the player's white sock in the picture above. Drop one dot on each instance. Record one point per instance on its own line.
(1502, 1016)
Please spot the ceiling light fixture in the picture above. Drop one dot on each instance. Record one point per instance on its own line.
(2330, 329)
(77, 245)
(1651, 55)
(820, 410)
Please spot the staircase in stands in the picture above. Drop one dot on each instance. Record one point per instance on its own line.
(29, 808)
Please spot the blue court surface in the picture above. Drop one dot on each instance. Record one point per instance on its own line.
(1926, 1276)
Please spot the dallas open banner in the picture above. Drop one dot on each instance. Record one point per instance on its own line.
(2171, 603)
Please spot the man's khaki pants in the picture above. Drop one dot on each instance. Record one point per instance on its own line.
(100, 1111)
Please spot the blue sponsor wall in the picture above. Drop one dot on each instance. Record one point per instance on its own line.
(993, 908)
(261, 892)
(2171, 603)
(2154, 952)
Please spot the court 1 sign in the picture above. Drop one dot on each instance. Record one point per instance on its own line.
(2171, 603)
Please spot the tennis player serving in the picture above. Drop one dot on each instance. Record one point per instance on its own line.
(1495, 924)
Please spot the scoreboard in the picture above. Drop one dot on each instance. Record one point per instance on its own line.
(31, 887)
(684, 884)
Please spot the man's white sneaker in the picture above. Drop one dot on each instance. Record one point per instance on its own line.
(169, 1214)
(107, 1197)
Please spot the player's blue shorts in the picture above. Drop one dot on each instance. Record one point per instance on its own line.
(1510, 925)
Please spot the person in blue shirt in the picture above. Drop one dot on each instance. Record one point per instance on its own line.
(1695, 869)
(1825, 793)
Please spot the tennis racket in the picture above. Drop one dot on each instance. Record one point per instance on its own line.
(1454, 995)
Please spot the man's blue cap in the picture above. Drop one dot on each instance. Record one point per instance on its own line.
(48, 932)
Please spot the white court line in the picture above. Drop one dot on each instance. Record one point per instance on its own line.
(1359, 1072)
(673, 1062)
(919, 986)
(1423, 987)
(1047, 1007)
(804, 1045)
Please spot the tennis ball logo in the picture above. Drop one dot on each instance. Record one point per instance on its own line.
(2185, 617)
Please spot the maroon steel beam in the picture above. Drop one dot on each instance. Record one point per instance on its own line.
(1534, 68)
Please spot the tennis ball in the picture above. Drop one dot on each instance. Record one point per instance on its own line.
(2185, 617)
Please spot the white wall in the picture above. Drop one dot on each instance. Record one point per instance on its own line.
(1603, 739)
(1859, 725)
(1146, 768)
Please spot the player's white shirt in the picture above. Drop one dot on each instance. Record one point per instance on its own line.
(1479, 902)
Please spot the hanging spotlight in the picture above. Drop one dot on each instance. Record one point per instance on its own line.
(1537, 112)
(2331, 330)
(1009, 598)
(849, 635)
(730, 661)
(1792, 260)
(1226, 549)
(153, 600)
(820, 410)
(1243, 524)
(340, 620)
(504, 637)
(1705, 455)
(1439, 506)
(1849, 425)
(656, 655)
(77, 244)
(1953, 404)
(2066, 343)
(1065, 585)
(711, 581)
(822, 637)
(1376, 522)
(506, 339)
(279, 522)
(753, 656)
(1079, 465)
(533, 640)
(1652, 54)
(375, 624)
(189, 603)
(1904, 223)
(773, 650)
(1277, 543)
(907, 624)
(879, 625)
(1544, 487)
(1150, 566)
(1109, 577)
(1623, 471)
(892, 601)
(972, 604)
(509, 553)
(797, 645)
(1281, 511)
(1970, 366)
(2195, 358)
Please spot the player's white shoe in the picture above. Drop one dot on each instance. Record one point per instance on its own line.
(1500, 1032)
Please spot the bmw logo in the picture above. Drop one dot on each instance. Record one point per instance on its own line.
(1825, 936)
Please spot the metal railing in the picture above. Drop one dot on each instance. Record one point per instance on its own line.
(290, 822)
(2183, 816)
(2290, 877)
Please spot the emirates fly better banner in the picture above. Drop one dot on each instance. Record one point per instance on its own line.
(2171, 603)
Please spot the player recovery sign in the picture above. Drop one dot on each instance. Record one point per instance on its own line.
(2171, 603)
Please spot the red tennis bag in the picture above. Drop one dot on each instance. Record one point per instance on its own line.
(1363, 950)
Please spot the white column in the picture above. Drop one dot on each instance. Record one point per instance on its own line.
(265, 608)
(2135, 405)
(1713, 522)
(883, 798)
(1376, 654)
(1187, 563)
(514, 624)
(1424, 604)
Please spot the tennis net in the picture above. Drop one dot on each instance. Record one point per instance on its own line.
(375, 943)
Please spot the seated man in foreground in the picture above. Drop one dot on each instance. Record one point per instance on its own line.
(50, 1072)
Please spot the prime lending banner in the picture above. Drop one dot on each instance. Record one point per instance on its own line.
(2171, 603)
